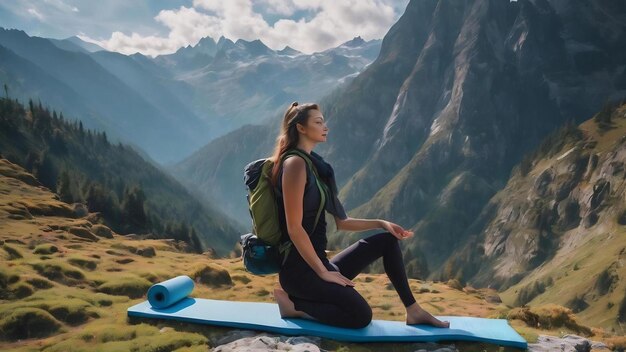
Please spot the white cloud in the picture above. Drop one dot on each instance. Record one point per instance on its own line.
(33, 12)
(331, 23)
(61, 5)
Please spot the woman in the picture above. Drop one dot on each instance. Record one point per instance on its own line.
(313, 286)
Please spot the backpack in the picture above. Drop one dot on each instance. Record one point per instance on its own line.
(262, 250)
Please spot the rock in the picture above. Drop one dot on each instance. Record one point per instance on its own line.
(600, 191)
(102, 231)
(234, 335)
(568, 343)
(543, 182)
(80, 210)
(266, 343)
(148, 252)
(83, 233)
(590, 220)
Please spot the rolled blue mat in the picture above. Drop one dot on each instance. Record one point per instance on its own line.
(169, 292)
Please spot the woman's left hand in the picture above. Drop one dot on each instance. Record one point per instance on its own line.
(396, 229)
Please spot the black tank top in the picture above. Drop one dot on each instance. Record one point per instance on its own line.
(310, 206)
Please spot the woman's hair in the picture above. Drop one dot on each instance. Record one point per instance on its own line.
(288, 136)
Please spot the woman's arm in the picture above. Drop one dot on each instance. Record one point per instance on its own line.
(351, 224)
(294, 180)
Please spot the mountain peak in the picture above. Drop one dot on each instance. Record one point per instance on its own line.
(288, 51)
(255, 47)
(355, 42)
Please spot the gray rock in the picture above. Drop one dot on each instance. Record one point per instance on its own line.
(568, 343)
(268, 343)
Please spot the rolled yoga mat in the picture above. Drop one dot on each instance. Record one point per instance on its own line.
(169, 292)
(168, 300)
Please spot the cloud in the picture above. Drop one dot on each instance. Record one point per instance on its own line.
(329, 23)
(61, 5)
(33, 12)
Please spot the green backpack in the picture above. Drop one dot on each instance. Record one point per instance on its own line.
(262, 249)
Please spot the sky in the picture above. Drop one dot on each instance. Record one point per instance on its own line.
(155, 27)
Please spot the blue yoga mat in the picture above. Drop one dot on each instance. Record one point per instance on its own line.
(169, 300)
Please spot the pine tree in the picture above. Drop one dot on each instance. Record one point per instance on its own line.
(194, 241)
(63, 187)
(132, 208)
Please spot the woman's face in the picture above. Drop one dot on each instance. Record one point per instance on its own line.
(315, 129)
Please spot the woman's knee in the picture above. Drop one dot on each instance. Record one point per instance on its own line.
(360, 318)
(361, 314)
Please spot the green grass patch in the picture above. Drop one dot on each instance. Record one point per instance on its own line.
(241, 278)
(142, 337)
(262, 292)
(58, 271)
(40, 283)
(45, 248)
(24, 323)
(21, 290)
(12, 251)
(131, 286)
(83, 263)
(7, 277)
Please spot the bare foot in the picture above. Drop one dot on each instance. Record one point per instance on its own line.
(416, 315)
(285, 305)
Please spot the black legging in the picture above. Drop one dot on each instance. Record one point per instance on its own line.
(338, 305)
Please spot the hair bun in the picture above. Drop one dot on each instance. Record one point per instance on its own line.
(295, 103)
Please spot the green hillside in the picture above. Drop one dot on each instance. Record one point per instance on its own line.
(130, 194)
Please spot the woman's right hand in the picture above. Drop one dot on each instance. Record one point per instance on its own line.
(336, 277)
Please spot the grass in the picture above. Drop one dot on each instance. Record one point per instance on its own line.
(12, 251)
(83, 263)
(45, 248)
(24, 323)
(59, 271)
(130, 285)
(79, 306)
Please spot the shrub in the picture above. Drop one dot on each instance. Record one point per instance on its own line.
(24, 323)
(550, 316)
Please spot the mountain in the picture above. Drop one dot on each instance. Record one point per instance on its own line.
(123, 111)
(465, 89)
(90, 47)
(245, 82)
(557, 231)
(461, 90)
(173, 104)
(129, 194)
(75, 44)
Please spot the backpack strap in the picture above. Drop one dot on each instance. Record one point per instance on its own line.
(317, 181)
(286, 246)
